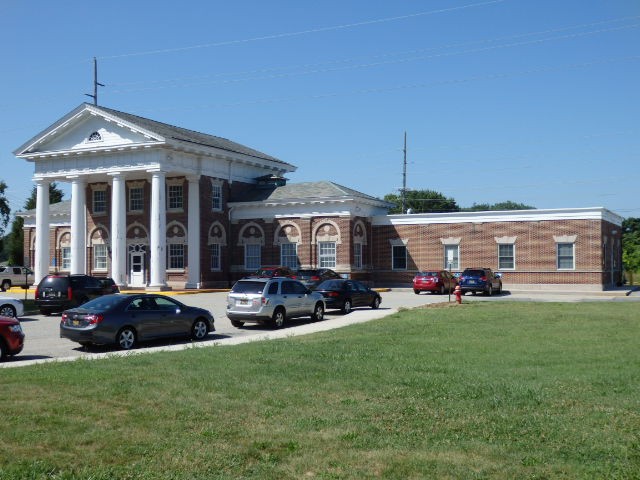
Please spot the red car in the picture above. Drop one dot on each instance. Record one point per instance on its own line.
(435, 281)
(11, 337)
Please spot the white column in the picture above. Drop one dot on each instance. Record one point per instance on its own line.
(193, 236)
(118, 230)
(158, 234)
(42, 253)
(78, 226)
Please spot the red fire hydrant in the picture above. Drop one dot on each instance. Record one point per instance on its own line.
(458, 293)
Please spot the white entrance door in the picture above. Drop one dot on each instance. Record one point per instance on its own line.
(137, 274)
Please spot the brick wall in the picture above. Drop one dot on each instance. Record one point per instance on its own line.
(535, 250)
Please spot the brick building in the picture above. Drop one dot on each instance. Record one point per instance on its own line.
(158, 206)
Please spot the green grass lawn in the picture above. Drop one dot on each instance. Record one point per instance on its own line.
(482, 390)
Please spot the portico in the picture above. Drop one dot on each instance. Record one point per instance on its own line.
(136, 194)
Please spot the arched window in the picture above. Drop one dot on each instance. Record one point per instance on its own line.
(95, 137)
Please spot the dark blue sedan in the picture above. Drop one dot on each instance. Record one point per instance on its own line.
(346, 294)
(125, 320)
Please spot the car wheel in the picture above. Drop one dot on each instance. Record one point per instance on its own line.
(6, 285)
(500, 289)
(376, 303)
(3, 350)
(199, 330)
(277, 321)
(346, 308)
(318, 312)
(441, 292)
(126, 338)
(237, 324)
(7, 311)
(489, 291)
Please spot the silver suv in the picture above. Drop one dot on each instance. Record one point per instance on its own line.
(272, 301)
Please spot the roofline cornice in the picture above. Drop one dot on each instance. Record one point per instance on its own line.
(589, 213)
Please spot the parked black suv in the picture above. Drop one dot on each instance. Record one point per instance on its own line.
(56, 293)
(480, 280)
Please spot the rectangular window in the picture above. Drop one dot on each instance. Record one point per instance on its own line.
(99, 201)
(175, 197)
(252, 258)
(327, 254)
(452, 257)
(216, 197)
(100, 257)
(566, 260)
(289, 255)
(357, 255)
(215, 256)
(66, 258)
(506, 256)
(176, 256)
(399, 257)
(136, 199)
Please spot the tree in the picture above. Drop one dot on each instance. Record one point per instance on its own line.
(631, 246)
(506, 205)
(422, 201)
(15, 240)
(5, 210)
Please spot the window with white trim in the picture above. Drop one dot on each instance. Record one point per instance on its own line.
(327, 254)
(289, 255)
(399, 257)
(100, 256)
(215, 257)
(357, 255)
(65, 253)
(506, 256)
(216, 197)
(565, 256)
(99, 201)
(252, 256)
(175, 197)
(175, 256)
(452, 257)
(136, 199)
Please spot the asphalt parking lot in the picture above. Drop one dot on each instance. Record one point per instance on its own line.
(43, 343)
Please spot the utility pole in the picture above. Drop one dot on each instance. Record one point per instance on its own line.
(95, 83)
(404, 176)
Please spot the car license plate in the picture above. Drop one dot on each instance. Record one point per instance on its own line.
(76, 323)
(471, 282)
(243, 301)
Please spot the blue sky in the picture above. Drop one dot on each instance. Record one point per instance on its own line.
(534, 101)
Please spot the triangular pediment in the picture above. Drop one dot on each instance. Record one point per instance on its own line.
(87, 128)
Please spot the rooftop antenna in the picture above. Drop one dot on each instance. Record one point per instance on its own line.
(95, 83)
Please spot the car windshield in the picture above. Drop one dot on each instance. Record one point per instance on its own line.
(103, 303)
(307, 273)
(60, 283)
(248, 287)
(474, 273)
(265, 272)
(330, 285)
(427, 274)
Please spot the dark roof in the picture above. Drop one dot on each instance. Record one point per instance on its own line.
(301, 191)
(188, 136)
(59, 208)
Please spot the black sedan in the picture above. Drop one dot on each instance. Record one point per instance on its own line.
(125, 320)
(346, 294)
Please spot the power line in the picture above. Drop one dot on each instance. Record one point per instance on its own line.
(315, 71)
(302, 32)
